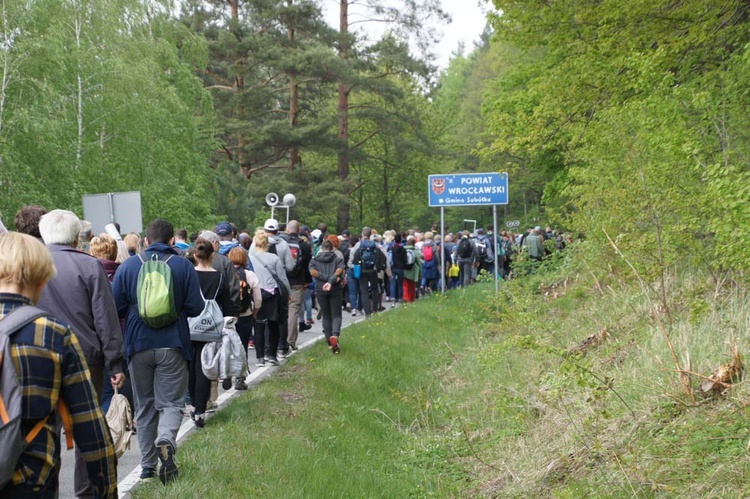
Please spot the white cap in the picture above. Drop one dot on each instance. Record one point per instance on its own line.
(271, 225)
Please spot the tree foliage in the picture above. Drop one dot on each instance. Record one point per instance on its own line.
(638, 115)
(90, 107)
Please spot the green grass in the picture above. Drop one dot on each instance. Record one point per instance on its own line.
(370, 422)
(478, 395)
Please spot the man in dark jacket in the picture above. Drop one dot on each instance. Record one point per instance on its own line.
(398, 264)
(158, 358)
(299, 278)
(81, 296)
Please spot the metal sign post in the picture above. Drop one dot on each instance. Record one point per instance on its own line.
(442, 249)
(494, 244)
(469, 189)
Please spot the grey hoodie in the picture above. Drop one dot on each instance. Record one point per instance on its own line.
(325, 264)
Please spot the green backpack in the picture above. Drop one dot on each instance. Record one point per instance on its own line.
(156, 292)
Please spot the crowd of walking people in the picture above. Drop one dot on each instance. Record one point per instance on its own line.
(85, 315)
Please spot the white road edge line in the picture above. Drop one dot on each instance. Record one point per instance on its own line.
(127, 483)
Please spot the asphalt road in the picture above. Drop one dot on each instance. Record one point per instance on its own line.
(128, 467)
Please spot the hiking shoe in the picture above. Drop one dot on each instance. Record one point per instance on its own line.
(147, 474)
(226, 383)
(260, 362)
(168, 470)
(240, 384)
(273, 361)
(200, 420)
(334, 343)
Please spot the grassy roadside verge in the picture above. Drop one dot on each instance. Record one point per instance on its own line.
(558, 386)
(369, 422)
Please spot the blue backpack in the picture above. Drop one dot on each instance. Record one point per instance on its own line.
(367, 254)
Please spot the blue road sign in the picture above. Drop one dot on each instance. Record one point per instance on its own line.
(468, 189)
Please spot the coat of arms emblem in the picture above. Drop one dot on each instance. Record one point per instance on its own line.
(438, 185)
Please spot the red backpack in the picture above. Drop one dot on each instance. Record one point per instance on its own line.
(428, 252)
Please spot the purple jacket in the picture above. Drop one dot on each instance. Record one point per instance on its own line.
(81, 295)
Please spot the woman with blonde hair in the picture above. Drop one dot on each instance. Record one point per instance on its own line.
(51, 368)
(274, 286)
(133, 242)
(104, 248)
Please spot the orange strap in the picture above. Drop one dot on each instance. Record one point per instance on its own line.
(35, 430)
(67, 422)
(3, 412)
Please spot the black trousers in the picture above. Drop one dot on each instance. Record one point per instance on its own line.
(368, 289)
(199, 385)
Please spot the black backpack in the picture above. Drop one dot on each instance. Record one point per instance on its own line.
(246, 294)
(464, 248)
(344, 248)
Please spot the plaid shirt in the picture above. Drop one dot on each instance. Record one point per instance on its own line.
(51, 365)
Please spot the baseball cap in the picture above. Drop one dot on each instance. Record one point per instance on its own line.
(345, 232)
(271, 225)
(224, 229)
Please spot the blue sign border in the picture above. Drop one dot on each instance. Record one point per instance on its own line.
(477, 189)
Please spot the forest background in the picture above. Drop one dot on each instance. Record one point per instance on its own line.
(614, 121)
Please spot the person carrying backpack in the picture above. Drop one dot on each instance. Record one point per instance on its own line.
(366, 254)
(43, 361)
(158, 347)
(299, 278)
(398, 266)
(412, 270)
(485, 253)
(207, 327)
(466, 252)
(430, 263)
(250, 302)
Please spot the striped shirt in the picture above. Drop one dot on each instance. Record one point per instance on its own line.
(51, 366)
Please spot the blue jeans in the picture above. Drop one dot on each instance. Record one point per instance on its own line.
(397, 285)
(353, 284)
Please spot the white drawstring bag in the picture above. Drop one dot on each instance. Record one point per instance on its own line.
(234, 358)
(227, 358)
(210, 360)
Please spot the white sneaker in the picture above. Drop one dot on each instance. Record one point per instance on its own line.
(354, 312)
(393, 304)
